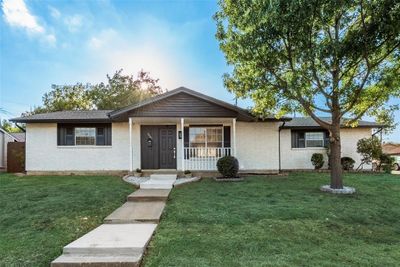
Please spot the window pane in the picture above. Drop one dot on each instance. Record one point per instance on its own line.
(85, 136)
(197, 137)
(214, 137)
(315, 139)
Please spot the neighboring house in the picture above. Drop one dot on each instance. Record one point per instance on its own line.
(178, 130)
(392, 149)
(5, 138)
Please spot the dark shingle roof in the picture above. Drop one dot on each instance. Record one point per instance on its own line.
(308, 122)
(68, 116)
(109, 115)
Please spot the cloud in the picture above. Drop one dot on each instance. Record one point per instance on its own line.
(73, 22)
(54, 12)
(16, 14)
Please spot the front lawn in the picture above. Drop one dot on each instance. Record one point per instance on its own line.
(280, 221)
(41, 214)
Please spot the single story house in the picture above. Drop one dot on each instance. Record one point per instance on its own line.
(178, 130)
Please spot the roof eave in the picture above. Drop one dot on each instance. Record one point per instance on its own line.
(22, 120)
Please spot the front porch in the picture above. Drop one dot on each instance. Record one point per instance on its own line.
(197, 143)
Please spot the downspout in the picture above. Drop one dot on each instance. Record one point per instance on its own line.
(379, 131)
(279, 145)
(20, 127)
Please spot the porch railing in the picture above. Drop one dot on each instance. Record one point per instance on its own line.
(204, 158)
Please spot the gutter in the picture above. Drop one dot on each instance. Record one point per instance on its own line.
(279, 145)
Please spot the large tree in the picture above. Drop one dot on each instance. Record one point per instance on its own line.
(119, 91)
(123, 90)
(339, 58)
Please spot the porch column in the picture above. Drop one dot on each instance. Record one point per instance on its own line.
(183, 144)
(130, 146)
(234, 137)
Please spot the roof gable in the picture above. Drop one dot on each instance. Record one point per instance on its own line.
(182, 102)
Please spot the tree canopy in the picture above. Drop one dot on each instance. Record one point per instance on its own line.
(339, 58)
(119, 91)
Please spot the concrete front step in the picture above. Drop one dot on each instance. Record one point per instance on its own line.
(163, 176)
(96, 261)
(149, 195)
(134, 212)
(157, 184)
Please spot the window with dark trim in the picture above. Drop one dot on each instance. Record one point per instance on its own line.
(303, 138)
(84, 134)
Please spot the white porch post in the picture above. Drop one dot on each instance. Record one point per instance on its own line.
(234, 137)
(130, 146)
(183, 144)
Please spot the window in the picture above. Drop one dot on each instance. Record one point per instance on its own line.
(302, 139)
(315, 139)
(205, 137)
(85, 136)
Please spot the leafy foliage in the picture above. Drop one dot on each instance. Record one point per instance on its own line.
(119, 91)
(347, 163)
(288, 54)
(9, 127)
(370, 149)
(123, 90)
(317, 160)
(228, 166)
(386, 163)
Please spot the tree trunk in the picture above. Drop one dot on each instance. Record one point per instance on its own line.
(336, 166)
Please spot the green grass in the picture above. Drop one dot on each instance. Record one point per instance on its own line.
(41, 214)
(280, 221)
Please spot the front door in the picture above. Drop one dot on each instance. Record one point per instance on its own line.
(158, 147)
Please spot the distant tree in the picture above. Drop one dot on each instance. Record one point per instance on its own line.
(119, 91)
(340, 58)
(9, 127)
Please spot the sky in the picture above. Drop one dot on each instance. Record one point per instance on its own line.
(65, 42)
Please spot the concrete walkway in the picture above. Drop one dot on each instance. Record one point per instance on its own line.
(123, 239)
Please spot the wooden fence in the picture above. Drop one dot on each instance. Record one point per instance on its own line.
(16, 157)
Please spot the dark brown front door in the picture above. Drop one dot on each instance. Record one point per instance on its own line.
(158, 147)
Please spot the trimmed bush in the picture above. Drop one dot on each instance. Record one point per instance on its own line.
(317, 159)
(228, 166)
(347, 163)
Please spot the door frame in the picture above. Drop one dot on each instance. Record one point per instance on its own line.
(158, 143)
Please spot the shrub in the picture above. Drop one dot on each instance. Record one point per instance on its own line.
(187, 172)
(138, 170)
(317, 160)
(370, 149)
(347, 163)
(386, 163)
(228, 166)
